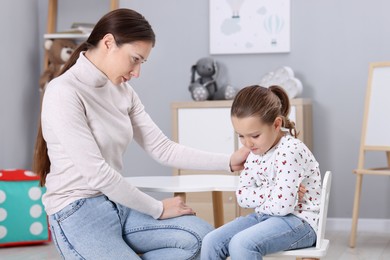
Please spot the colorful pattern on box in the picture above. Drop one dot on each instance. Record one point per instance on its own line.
(22, 216)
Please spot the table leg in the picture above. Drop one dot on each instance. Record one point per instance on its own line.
(218, 208)
(180, 194)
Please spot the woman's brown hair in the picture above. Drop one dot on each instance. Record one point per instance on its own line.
(265, 103)
(126, 26)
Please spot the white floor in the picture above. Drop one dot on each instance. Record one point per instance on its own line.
(370, 246)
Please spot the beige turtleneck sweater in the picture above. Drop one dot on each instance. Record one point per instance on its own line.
(87, 123)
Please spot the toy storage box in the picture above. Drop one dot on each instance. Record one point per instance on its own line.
(22, 217)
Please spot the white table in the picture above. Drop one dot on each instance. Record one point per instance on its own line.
(180, 184)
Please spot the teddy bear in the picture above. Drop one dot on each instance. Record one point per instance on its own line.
(207, 86)
(58, 53)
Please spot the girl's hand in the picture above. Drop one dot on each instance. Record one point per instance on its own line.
(301, 192)
(174, 207)
(238, 159)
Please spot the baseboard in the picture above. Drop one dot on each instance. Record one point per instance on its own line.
(364, 225)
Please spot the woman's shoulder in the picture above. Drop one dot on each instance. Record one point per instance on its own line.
(59, 86)
(61, 93)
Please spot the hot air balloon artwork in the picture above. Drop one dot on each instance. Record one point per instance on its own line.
(274, 24)
(249, 26)
(235, 5)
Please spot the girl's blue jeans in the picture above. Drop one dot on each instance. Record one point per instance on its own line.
(97, 228)
(256, 235)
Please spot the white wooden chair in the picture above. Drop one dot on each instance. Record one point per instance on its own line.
(322, 244)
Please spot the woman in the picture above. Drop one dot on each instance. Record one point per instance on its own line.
(89, 115)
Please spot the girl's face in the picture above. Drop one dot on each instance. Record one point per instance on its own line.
(124, 62)
(257, 136)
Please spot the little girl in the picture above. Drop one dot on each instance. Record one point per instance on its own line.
(274, 170)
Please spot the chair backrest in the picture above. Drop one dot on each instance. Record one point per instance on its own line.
(326, 183)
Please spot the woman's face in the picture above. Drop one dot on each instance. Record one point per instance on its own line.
(124, 62)
(255, 135)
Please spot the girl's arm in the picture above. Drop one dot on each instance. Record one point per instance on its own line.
(252, 188)
(291, 166)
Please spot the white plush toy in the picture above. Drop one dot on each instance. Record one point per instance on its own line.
(284, 77)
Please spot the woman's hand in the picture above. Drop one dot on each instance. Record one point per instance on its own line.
(174, 207)
(238, 159)
(301, 192)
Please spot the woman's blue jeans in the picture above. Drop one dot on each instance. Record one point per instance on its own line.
(256, 235)
(97, 228)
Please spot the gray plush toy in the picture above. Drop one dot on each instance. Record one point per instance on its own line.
(206, 86)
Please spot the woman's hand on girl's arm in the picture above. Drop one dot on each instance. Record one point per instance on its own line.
(174, 207)
(238, 159)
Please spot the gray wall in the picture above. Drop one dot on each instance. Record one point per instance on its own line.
(19, 75)
(332, 43)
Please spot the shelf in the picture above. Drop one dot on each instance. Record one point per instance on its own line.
(52, 26)
(66, 35)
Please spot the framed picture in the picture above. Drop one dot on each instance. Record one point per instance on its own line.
(249, 26)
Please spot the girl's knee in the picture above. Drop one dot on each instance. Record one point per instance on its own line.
(209, 245)
(236, 243)
(208, 240)
(242, 243)
(214, 246)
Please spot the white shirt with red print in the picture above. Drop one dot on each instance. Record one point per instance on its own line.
(270, 182)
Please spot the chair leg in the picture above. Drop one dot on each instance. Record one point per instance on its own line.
(355, 213)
